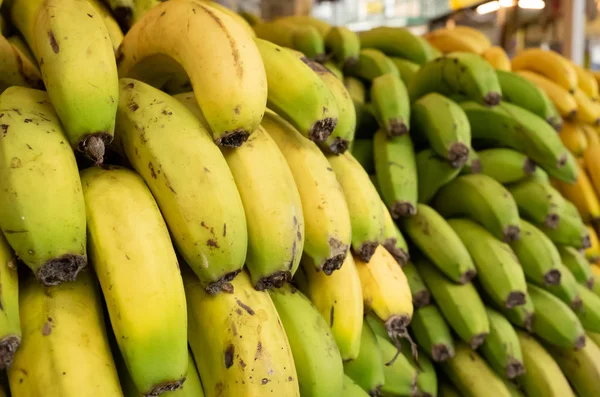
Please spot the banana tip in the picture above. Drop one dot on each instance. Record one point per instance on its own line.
(477, 340)
(366, 250)
(441, 353)
(339, 146)
(467, 276)
(397, 128)
(511, 233)
(275, 280)
(580, 342)
(400, 255)
(94, 146)
(529, 166)
(421, 299)
(492, 99)
(403, 208)
(165, 387)
(576, 303)
(515, 298)
(458, 154)
(552, 221)
(8, 346)
(552, 277)
(322, 129)
(232, 139)
(61, 269)
(514, 368)
(223, 284)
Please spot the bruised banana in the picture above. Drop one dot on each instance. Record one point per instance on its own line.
(498, 58)
(367, 370)
(371, 63)
(16, 69)
(10, 323)
(393, 240)
(506, 165)
(391, 105)
(398, 42)
(434, 172)
(537, 201)
(419, 292)
(501, 348)
(432, 333)
(48, 235)
(344, 44)
(549, 64)
(577, 264)
(327, 227)
(189, 178)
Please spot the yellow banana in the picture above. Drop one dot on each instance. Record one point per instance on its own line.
(590, 133)
(498, 58)
(49, 234)
(65, 350)
(574, 138)
(474, 35)
(189, 178)
(549, 64)
(581, 193)
(592, 165)
(582, 367)
(450, 40)
(560, 97)
(16, 68)
(586, 82)
(130, 245)
(587, 111)
(112, 27)
(10, 324)
(238, 342)
(592, 253)
(234, 15)
(232, 77)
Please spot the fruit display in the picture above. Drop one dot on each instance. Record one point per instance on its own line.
(198, 203)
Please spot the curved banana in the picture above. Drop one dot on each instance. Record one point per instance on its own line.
(391, 105)
(582, 195)
(549, 64)
(419, 292)
(566, 290)
(587, 111)
(393, 240)
(592, 253)
(538, 201)
(371, 63)
(327, 227)
(499, 60)
(398, 42)
(305, 39)
(16, 68)
(591, 135)
(506, 165)
(112, 27)
(501, 347)
(434, 172)
(47, 235)
(453, 40)
(574, 138)
(343, 43)
(592, 167)
(367, 370)
(577, 264)
(586, 82)
(474, 35)
(432, 333)
(10, 323)
(563, 100)
(570, 231)
(226, 10)
(77, 63)
(581, 367)
(227, 364)
(189, 178)
(519, 316)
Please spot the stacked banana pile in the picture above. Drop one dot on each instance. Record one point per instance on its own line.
(214, 205)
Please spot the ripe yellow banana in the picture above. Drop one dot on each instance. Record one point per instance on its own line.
(49, 234)
(10, 324)
(561, 98)
(587, 111)
(76, 58)
(582, 367)
(591, 134)
(586, 82)
(112, 27)
(498, 58)
(237, 18)
(574, 138)
(65, 350)
(590, 156)
(232, 98)
(549, 64)
(16, 68)
(189, 178)
(327, 228)
(592, 253)
(454, 40)
(582, 195)
(130, 244)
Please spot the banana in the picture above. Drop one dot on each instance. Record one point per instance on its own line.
(592, 253)
(582, 195)
(16, 68)
(427, 379)
(396, 170)
(47, 235)
(570, 231)
(484, 200)
(406, 69)
(432, 333)
(587, 111)
(237, 18)
(391, 105)
(566, 290)
(393, 240)
(474, 35)
(543, 376)
(549, 64)
(362, 150)
(460, 304)
(591, 134)
(398, 42)
(453, 40)
(538, 202)
(370, 64)
(499, 60)
(335, 70)
(586, 82)
(19, 43)
(305, 39)
(525, 93)
(595, 337)
(386, 291)
(356, 89)
(473, 164)
(316, 356)
(304, 20)
(434, 172)
(367, 370)
(501, 348)
(125, 227)
(232, 99)
(498, 269)
(592, 168)
(589, 313)
(327, 226)
(519, 316)
(506, 165)
(250, 17)
(563, 100)
(511, 126)
(238, 341)
(344, 44)
(458, 73)
(419, 292)
(82, 89)
(366, 214)
(574, 138)
(426, 230)
(10, 325)
(577, 264)
(112, 27)
(400, 375)
(339, 299)
(581, 368)
(472, 375)
(65, 350)
(352, 389)
(184, 169)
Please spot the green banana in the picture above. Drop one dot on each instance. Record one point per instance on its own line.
(322, 26)
(10, 323)
(581, 367)
(399, 42)
(420, 294)
(407, 69)
(458, 73)
(538, 201)
(427, 229)
(334, 69)
(305, 39)
(48, 235)
(484, 200)
(473, 164)
(427, 379)
(505, 165)
(498, 269)
(461, 305)
(368, 368)
(183, 169)
(445, 126)
(589, 313)
(520, 91)
(352, 389)
(433, 172)
(566, 290)
(577, 263)
(400, 375)
(554, 322)
(371, 63)
(396, 170)
(472, 376)
(362, 150)
(511, 126)
(513, 389)
(543, 376)
(501, 348)
(519, 316)
(569, 231)
(344, 44)
(356, 88)
(393, 240)
(318, 362)
(307, 103)
(432, 333)
(251, 18)
(366, 214)
(391, 105)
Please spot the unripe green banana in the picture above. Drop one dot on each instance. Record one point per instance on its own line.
(473, 164)
(577, 263)
(538, 201)
(390, 104)
(458, 73)
(427, 230)
(399, 42)
(589, 313)
(393, 240)
(505, 165)
(434, 172)
(581, 367)
(554, 322)
(461, 305)
(334, 69)
(484, 200)
(344, 44)
(518, 90)
(501, 348)
(420, 294)
(566, 290)
(432, 333)
(371, 63)
(368, 368)
(48, 235)
(511, 126)
(396, 169)
(318, 362)
(308, 41)
(356, 88)
(400, 375)
(570, 231)
(498, 268)
(519, 316)
(445, 125)
(10, 323)
(406, 68)
(352, 389)
(366, 214)
(362, 150)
